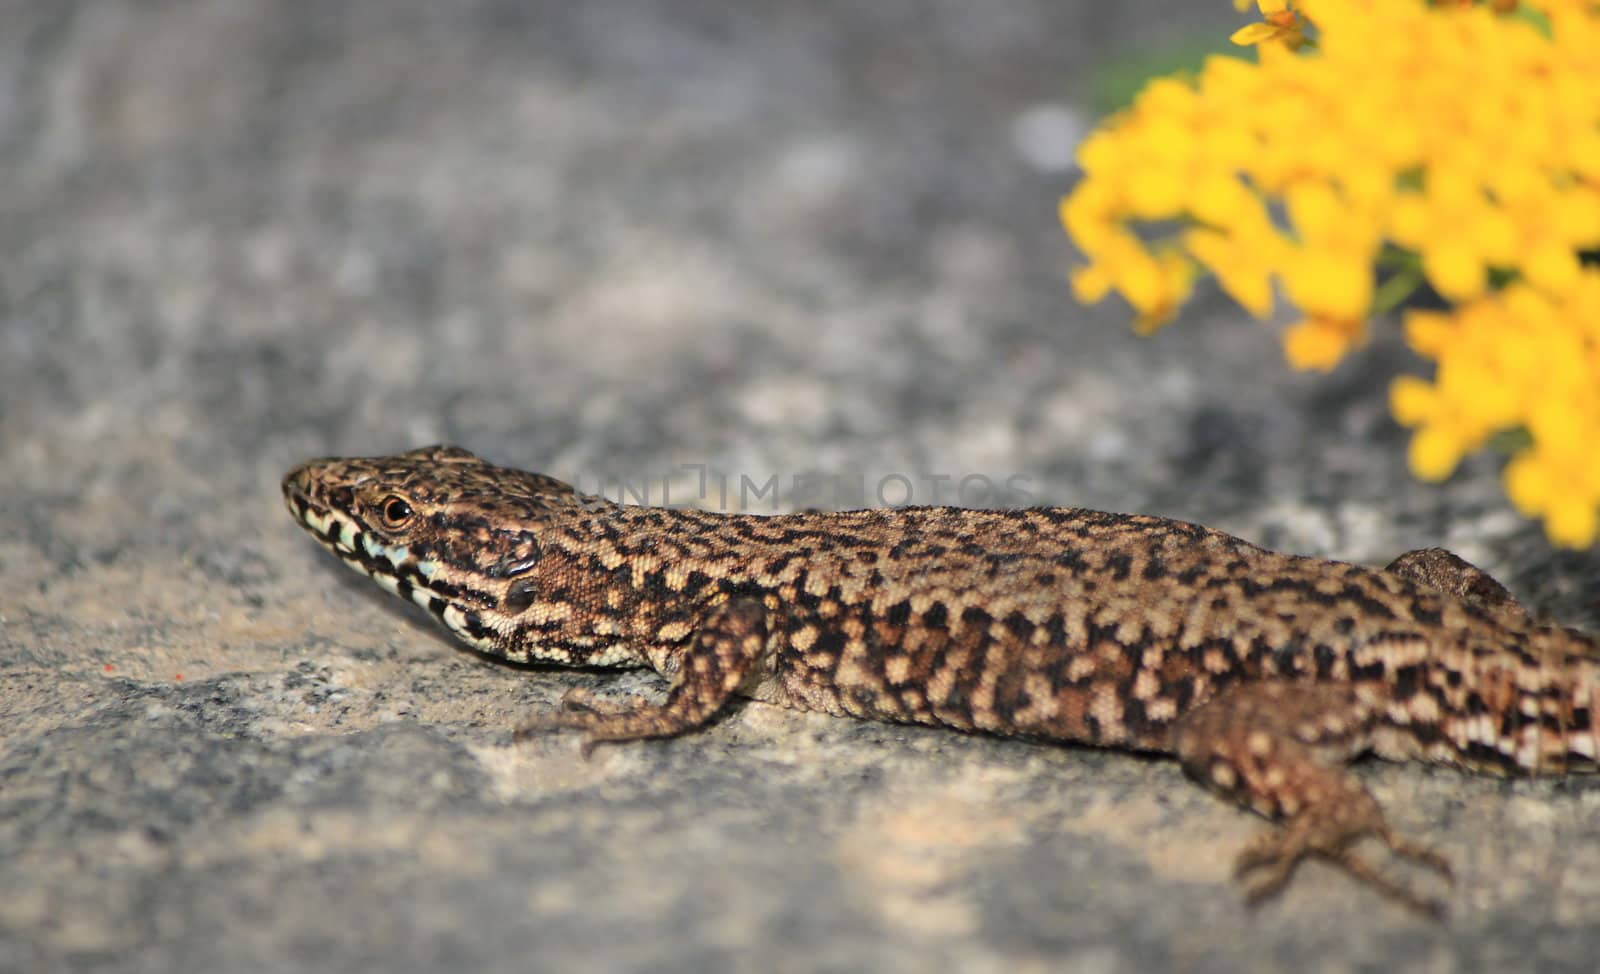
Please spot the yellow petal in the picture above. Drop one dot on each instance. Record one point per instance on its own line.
(1088, 214)
(1253, 34)
(1428, 332)
(1157, 193)
(1139, 278)
(1494, 235)
(1572, 523)
(1408, 220)
(1552, 267)
(1239, 271)
(1560, 431)
(1453, 270)
(1319, 344)
(1314, 208)
(1413, 401)
(1433, 453)
(1090, 283)
(1527, 484)
(1221, 200)
(1330, 284)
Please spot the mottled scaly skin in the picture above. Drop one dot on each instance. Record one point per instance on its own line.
(1263, 673)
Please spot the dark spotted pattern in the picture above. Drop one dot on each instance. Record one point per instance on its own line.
(1052, 623)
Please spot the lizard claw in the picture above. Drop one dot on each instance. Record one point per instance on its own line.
(1432, 909)
(579, 700)
(540, 725)
(554, 722)
(1277, 856)
(578, 712)
(582, 710)
(559, 722)
(1267, 854)
(1420, 854)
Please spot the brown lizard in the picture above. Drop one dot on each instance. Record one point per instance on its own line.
(1265, 674)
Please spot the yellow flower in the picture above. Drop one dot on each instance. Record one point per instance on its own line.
(1516, 359)
(1330, 283)
(1412, 400)
(1434, 453)
(1241, 266)
(1091, 217)
(1446, 143)
(1279, 24)
(1090, 283)
(1320, 342)
(1538, 486)
(1571, 523)
(1428, 332)
(1155, 286)
(1453, 268)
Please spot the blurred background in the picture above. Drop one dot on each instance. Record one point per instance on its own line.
(629, 241)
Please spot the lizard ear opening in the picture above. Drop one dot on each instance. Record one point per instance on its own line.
(519, 596)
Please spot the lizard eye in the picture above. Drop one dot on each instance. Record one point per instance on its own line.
(396, 512)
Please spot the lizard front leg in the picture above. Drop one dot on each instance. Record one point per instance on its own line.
(1280, 749)
(720, 655)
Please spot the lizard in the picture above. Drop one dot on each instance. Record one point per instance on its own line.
(1264, 674)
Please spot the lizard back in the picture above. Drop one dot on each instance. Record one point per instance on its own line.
(1057, 623)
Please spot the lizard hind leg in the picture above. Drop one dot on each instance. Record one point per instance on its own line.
(1280, 749)
(725, 646)
(1447, 572)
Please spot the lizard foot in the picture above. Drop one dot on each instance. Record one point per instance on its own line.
(582, 710)
(725, 646)
(1279, 749)
(1328, 832)
(578, 701)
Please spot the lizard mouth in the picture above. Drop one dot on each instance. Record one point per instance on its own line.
(336, 531)
(339, 535)
(393, 568)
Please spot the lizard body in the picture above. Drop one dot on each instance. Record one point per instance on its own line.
(1263, 673)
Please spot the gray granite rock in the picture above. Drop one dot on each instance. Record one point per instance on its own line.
(609, 240)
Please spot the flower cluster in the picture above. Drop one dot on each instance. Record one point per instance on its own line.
(1517, 359)
(1373, 146)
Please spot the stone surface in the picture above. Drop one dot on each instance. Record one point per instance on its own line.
(607, 240)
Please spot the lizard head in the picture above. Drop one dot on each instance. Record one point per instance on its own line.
(458, 536)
